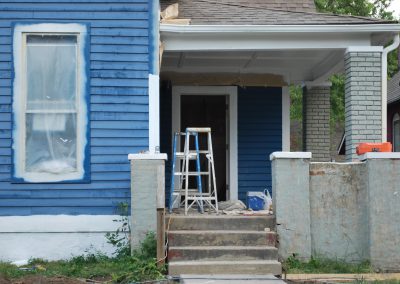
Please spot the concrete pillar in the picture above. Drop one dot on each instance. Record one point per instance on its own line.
(291, 202)
(363, 120)
(316, 127)
(383, 189)
(147, 194)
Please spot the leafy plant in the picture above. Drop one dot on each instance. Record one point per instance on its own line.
(120, 239)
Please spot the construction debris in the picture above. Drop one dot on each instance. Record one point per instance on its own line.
(170, 16)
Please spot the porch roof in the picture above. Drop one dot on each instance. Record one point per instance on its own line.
(257, 12)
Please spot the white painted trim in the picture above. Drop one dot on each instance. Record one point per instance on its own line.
(154, 113)
(285, 119)
(178, 91)
(58, 224)
(380, 155)
(366, 28)
(364, 49)
(148, 156)
(184, 41)
(290, 155)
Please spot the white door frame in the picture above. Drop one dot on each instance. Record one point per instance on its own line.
(232, 93)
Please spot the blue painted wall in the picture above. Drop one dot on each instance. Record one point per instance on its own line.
(259, 134)
(119, 67)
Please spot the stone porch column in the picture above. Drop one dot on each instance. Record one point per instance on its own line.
(363, 120)
(316, 127)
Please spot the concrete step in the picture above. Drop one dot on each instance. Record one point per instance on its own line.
(229, 279)
(221, 238)
(220, 222)
(222, 253)
(258, 267)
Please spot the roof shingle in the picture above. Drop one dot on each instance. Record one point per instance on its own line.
(260, 12)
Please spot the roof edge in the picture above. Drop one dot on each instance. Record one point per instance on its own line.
(332, 28)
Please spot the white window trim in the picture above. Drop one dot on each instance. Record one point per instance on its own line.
(19, 97)
(232, 93)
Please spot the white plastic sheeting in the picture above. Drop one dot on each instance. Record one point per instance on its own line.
(51, 104)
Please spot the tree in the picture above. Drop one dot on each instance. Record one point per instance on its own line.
(364, 8)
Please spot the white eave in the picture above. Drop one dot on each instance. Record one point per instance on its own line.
(274, 37)
(365, 28)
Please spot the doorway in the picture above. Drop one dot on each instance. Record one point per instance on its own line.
(209, 111)
(214, 107)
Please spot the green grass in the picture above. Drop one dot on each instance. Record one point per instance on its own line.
(140, 266)
(319, 265)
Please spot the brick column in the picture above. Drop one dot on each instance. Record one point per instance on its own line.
(363, 121)
(316, 130)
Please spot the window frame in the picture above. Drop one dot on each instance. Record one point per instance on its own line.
(396, 118)
(21, 32)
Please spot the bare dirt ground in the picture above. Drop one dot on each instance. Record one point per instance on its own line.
(38, 279)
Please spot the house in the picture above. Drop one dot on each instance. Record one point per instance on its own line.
(68, 125)
(393, 112)
(74, 102)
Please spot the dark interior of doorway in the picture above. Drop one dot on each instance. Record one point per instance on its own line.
(209, 111)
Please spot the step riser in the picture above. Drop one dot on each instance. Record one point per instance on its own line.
(257, 269)
(222, 239)
(177, 254)
(208, 224)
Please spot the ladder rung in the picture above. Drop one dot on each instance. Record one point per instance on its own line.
(191, 173)
(200, 197)
(198, 129)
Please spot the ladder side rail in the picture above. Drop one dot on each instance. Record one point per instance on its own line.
(210, 147)
(199, 183)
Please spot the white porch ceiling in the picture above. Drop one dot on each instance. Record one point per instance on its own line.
(296, 66)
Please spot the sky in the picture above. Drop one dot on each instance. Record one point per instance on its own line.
(396, 7)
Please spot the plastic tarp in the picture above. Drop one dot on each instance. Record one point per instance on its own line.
(51, 104)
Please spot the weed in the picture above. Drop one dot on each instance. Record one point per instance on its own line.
(321, 265)
(120, 239)
(121, 269)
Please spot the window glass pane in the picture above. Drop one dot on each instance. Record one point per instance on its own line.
(396, 135)
(51, 72)
(51, 143)
(51, 131)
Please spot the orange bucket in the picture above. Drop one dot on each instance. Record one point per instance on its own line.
(363, 148)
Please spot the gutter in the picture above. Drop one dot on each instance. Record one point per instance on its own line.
(386, 50)
(356, 28)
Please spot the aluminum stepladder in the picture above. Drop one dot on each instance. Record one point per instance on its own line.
(197, 195)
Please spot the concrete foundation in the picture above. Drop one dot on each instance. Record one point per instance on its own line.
(349, 211)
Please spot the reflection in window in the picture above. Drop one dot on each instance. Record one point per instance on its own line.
(396, 133)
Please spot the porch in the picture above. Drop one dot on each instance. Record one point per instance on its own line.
(209, 78)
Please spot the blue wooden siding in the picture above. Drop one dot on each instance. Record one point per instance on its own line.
(119, 67)
(259, 134)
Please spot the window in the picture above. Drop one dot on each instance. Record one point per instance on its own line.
(49, 102)
(396, 133)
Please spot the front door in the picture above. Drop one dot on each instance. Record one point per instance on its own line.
(209, 111)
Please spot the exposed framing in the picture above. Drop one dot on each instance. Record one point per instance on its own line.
(232, 93)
